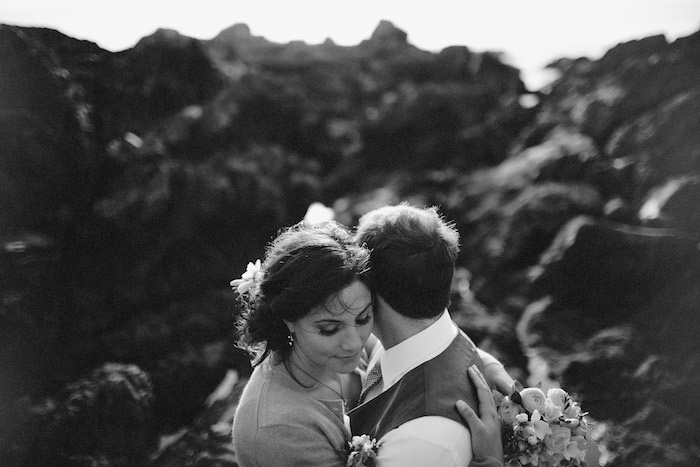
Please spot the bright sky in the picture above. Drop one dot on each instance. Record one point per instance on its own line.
(529, 32)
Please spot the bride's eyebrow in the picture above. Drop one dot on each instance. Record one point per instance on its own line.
(327, 321)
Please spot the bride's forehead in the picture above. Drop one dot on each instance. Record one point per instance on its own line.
(351, 300)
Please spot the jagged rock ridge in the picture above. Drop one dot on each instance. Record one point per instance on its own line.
(137, 184)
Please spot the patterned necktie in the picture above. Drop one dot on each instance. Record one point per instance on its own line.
(373, 378)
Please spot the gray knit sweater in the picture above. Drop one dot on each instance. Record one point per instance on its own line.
(278, 424)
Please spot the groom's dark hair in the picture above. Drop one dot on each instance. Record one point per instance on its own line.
(412, 258)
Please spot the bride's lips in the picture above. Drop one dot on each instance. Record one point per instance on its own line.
(349, 358)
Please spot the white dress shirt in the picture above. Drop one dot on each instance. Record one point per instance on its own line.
(429, 440)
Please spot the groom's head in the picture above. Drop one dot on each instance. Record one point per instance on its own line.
(413, 253)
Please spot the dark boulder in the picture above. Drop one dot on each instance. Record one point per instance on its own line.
(103, 419)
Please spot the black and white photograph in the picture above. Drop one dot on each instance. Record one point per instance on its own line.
(452, 233)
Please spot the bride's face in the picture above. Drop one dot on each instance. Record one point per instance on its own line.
(331, 336)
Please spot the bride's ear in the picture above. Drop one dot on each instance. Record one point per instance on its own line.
(290, 326)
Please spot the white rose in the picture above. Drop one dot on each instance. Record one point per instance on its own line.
(558, 396)
(533, 399)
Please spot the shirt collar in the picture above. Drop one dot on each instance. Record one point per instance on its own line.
(417, 349)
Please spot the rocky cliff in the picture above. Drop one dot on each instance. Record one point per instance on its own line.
(136, 184)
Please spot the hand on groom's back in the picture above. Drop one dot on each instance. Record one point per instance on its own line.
(485, 427)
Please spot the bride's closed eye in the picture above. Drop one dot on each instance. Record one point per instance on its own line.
(328, 332)
(363, 318)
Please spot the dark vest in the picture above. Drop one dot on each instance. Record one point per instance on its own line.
(432, 388)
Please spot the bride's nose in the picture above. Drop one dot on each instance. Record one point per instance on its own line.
(352, 340)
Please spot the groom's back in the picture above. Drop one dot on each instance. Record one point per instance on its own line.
(431, 389)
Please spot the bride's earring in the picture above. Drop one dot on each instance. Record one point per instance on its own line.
(290, 339)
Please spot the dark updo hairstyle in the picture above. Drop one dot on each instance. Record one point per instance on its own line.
(303, 266)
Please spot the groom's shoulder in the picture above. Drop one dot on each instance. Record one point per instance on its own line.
(461, 352)
(451, 363)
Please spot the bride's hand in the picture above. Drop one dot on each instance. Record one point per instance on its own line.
(494, 372)
(485, 428)
(498, 378)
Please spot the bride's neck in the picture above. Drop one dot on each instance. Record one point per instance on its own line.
(307, 373)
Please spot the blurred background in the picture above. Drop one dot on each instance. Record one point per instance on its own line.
(148, 152)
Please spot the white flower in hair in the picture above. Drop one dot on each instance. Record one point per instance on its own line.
(253, 274)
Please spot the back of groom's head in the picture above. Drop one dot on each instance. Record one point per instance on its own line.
(413, 253)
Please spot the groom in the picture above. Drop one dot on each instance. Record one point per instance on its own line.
(419, 370)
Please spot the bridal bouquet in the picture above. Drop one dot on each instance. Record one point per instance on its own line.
(542, 430)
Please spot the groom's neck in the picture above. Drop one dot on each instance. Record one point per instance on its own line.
(393, 328)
